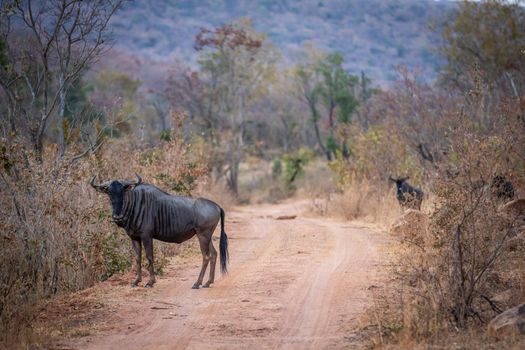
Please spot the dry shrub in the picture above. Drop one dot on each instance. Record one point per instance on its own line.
(465, 267)
(56, 231)
(56, 236)
(355, 200)
(363, 190)
(412, 226)
(363, 200)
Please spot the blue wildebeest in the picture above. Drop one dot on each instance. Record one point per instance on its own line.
(147, 212)
(502, 188)
(407, 196)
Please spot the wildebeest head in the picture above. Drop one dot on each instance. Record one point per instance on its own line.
(116, 189)
(399, 182)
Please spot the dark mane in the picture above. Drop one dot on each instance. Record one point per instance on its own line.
(148, 185)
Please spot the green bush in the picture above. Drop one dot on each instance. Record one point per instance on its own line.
(294, 166)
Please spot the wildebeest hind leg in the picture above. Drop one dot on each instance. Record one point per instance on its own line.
(204, 241)
(213, 262)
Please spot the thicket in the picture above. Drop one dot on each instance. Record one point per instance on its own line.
(454, 270)
(58, 128)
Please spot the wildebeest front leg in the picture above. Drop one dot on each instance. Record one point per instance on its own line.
(138, 260)
(148, 247)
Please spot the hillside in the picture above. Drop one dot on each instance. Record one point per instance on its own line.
(374, 36)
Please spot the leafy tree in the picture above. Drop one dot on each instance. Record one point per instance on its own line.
(489, 36)
(363, 94)
(326, 86)
(237, 65)
(337, 91)
(306, 79)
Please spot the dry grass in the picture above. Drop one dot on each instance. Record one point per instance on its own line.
(217, 192)
(358, 201)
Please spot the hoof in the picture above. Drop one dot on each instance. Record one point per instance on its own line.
(195, 286)
(207, 285)
(133, 285)
(148, 285)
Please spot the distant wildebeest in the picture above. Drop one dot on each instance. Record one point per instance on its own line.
(147, 212)
(502, 188)
(407, 196)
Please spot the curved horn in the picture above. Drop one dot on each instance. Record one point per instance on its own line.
(139, 179)
(102, 187)
(92, 181)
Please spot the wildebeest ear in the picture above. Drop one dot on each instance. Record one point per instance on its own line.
(391, 179)
(129, 185)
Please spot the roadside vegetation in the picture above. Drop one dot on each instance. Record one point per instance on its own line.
(243, 127)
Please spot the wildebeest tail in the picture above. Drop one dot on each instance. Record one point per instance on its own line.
(223, 246)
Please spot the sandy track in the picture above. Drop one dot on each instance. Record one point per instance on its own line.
(295, 284)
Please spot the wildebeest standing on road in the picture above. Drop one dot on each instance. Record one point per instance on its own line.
(407, 196)
(146, 213)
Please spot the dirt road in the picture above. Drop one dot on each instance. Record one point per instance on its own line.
(298, 283)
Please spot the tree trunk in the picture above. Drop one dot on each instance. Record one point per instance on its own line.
(331, 122)
(287, 135)
(344, 150)
(233, 178)
(331, 118)
(318, 133)
(457, 281)
(61, 111)
(320, 142)
(512, 85)
(37, 140)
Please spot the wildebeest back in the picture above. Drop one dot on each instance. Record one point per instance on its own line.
(169, 218)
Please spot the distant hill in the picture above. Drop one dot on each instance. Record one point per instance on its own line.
(373, 35)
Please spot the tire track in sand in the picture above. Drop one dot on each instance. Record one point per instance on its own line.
(293, 284)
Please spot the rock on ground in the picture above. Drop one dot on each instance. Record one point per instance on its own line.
(509, 323)
(412, 225)
(514, 209)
